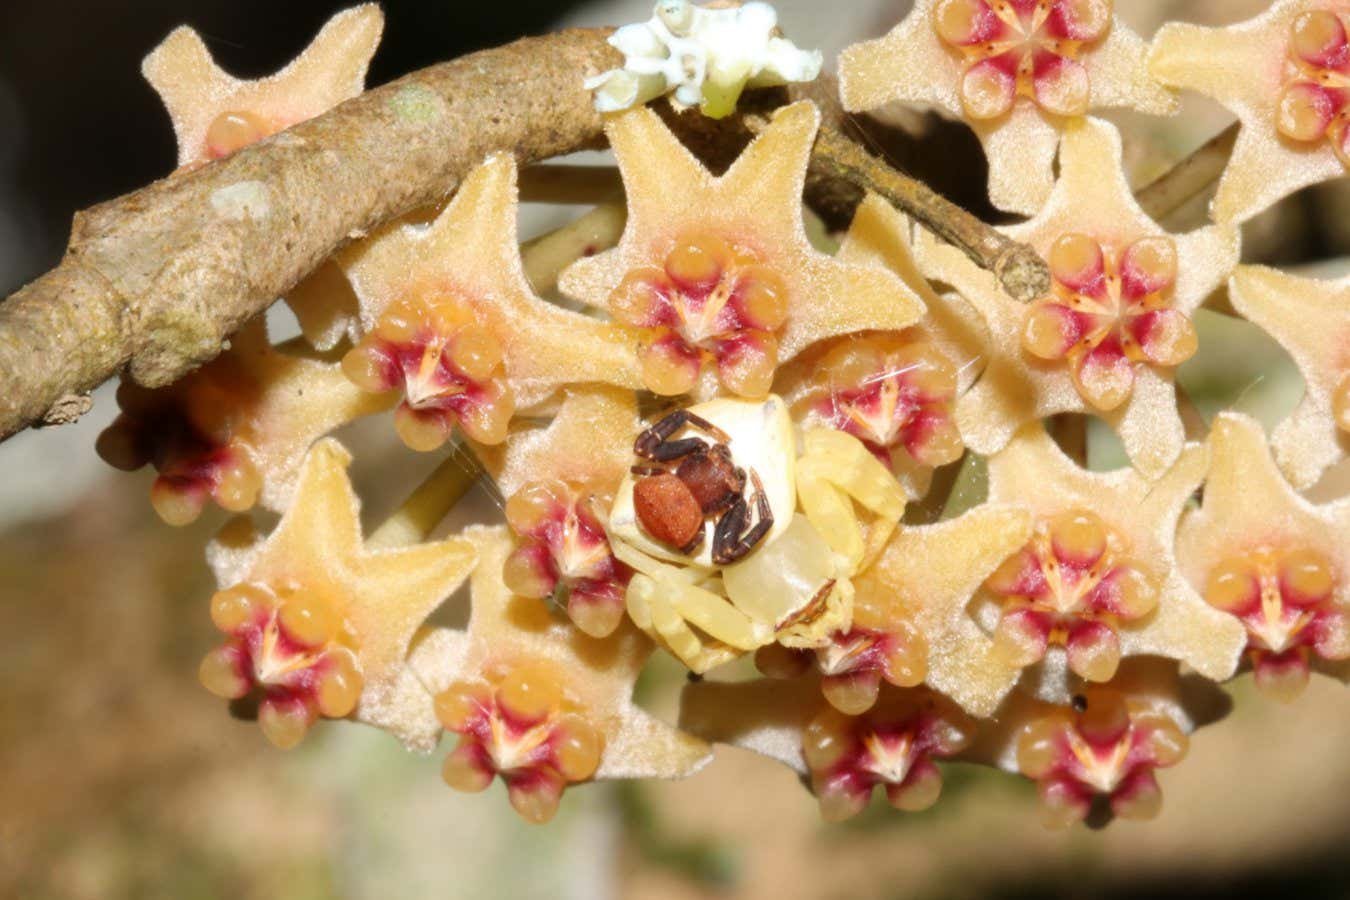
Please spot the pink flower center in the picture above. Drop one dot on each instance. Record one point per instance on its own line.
(1109, 308)
(894, 746)
(519, 724)
(1286, 600)
(1073, 585)
(892, 394)
(291, 645)
(709, 301)
(879, 646)
(1108, 748)
(562, 552)
(1312, 106)
(198, 435)
(1023, 48)
(448, 367)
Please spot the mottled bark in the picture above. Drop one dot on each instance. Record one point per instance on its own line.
(153, 283)
(157, 280)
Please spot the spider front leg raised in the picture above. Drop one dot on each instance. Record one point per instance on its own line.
(655, 443)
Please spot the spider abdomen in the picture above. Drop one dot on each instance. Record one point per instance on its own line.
(667, 509)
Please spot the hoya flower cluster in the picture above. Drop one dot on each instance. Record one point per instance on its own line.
(723, 445)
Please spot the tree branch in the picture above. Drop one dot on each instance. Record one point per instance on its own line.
(156, 281)
(1019, 269)
(1190, 177)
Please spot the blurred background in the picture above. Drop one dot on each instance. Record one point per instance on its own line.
(120, 777)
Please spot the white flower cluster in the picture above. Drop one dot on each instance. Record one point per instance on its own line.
(706, 55)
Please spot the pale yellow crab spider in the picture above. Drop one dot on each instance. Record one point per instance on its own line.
(796, 587)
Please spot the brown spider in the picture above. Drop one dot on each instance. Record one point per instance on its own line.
(672, 504)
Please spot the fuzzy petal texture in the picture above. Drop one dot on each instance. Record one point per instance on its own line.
(765, 716)
(470, 252)
(755, 206)
(1143, 514)
(1248, 502)
(326, 308)
(1310, 318)
(1091, 198)
(505, 629)
(912, 64)
(589, 441)
(198, 93)
(881, 236)
(1247, 67)
(384, 594)
(929, 574)
(1251, 514)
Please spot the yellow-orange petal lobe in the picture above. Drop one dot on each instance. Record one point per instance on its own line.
(519, 722)
(895, 746)
(1075, 585)
(1107, 746)
(289, 647)
(232, 131)
(1286, 599)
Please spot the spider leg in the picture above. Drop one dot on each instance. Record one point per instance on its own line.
(704, 425)
(727, 532)
(669, 450)
(659, 433)
(736, 541)
(650, 443)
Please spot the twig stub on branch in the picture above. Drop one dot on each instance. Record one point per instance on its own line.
(1018, 268)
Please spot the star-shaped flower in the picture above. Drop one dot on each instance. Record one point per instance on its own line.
(1310, 318)
(559, 483)
(1017, 71)
(926, 578)
(1117, 322)
(1270, 559)
(1107, 744)
(214, 114)
(1099, 576)
(538, 702)
(319, 624)
(235, 430)
(895, 391)
(717, 271)
(1286, 75)
(893, 746)
(452, 323)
